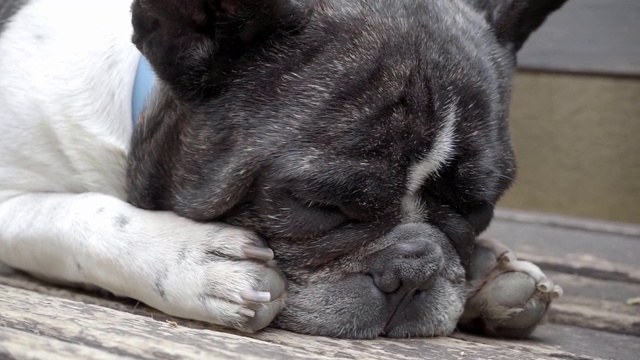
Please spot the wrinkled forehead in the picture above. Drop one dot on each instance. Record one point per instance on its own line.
(326, 178)
(359, 108)
(369, 166)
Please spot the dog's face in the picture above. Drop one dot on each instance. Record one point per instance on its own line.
(365, 140)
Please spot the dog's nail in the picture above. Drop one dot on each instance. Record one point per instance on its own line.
(508, 257)
(248, 312)
(556, 292)
(257, 252)
(545, 285)
(256, 296)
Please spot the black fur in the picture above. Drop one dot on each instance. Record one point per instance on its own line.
(8, 8)
(514, 20)
(301, 119)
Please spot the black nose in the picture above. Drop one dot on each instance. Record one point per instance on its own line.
(408, 265)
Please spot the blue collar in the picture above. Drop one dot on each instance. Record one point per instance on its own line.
(144, 83)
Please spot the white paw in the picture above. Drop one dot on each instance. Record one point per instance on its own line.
(509, 297)
(215, 273)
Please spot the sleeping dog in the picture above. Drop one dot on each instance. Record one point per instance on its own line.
(362, 143)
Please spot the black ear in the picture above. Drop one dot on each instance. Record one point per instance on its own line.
(515, 20)
(190, 43)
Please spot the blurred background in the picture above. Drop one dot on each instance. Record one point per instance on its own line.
(575, 116)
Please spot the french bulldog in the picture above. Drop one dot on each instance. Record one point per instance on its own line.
(364, 143)
(367, 141)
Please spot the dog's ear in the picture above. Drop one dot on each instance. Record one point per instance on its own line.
(514, 20)
(190, 43)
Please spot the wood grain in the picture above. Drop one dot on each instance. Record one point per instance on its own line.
(558, 240)
(125, 334)
(104, 331)
(596, 314)
(24, 345)
(580, 286)
(586, 265)
(37, 316)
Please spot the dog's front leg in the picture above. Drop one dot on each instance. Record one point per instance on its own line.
(211, 272)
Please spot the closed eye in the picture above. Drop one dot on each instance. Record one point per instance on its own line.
(321, 206)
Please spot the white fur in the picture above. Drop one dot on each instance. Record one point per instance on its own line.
(437, 157)
(66, 76)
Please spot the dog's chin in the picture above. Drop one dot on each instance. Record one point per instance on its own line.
(355, 308)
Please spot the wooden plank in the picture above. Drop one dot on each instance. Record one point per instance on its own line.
(587, 36)
(583, 305)
(321, 346)
(420, 348)
(16, 344)
(586, 287)
(579, 342)
(596, 314)
(126, 334)
(586, 265)
(595, 249)
(560, 241)
(602, 227)
(595, 304)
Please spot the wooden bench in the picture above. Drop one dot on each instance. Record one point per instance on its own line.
(596, 263)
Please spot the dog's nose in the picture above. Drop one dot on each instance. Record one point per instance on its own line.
(406, 266)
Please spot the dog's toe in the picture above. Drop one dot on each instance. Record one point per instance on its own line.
(509, 297)
(270, 287)
(513, 305)
(219, 274)
(248, 310)
(265, 302)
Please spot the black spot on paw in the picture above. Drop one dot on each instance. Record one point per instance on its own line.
(122, 221)
(160, 289)
(216, 253)
(159, 283)
(77, 263)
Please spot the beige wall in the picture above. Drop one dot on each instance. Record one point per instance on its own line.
(577, 141)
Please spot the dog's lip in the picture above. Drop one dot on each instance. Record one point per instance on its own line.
(398, 313)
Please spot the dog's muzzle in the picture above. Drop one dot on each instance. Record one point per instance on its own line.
(405, 268)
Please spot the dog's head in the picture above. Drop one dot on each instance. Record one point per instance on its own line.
(367, 141)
